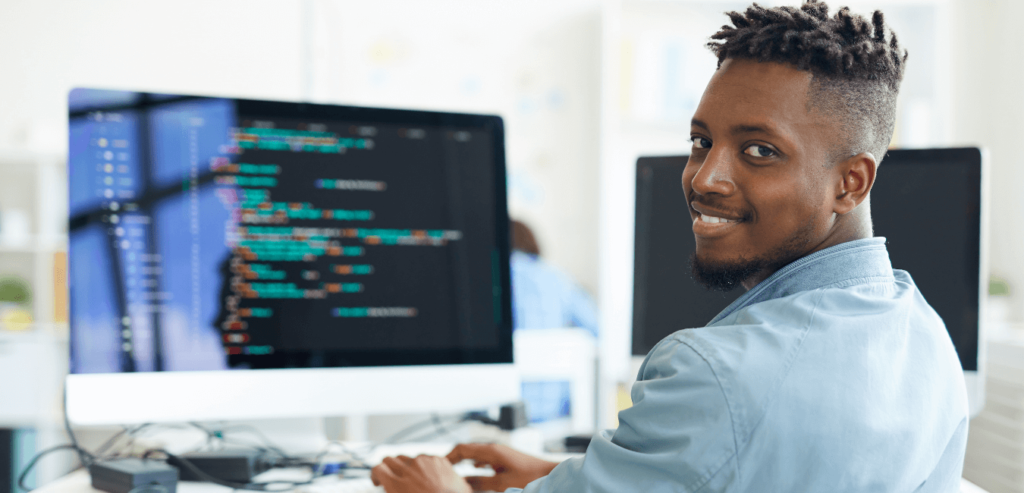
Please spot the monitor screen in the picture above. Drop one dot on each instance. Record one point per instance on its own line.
(926, 203)
(213, 233)
(665, 296)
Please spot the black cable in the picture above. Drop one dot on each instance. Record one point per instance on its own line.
(32, 463)
(221, 434)
(181, 461)
(125, 431)
(256, 431)
(439, 431)
(111, 441)
(441, 427)
(402, 434)
(83, 456)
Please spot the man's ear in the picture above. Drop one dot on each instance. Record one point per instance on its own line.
(856, 176)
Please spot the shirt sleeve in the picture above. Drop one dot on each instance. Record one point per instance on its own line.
(678, 436)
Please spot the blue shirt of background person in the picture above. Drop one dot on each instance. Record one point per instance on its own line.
(543, 297)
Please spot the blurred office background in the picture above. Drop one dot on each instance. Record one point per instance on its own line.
(585, 87)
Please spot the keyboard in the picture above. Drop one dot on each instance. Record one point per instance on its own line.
(365, 485)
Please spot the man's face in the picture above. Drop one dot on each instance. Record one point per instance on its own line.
(759, 162)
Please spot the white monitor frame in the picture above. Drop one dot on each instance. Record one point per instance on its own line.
(162, 397)
(975, 380)
(439, 384)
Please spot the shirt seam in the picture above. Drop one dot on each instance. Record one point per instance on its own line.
(764, 410)
(785, 373)
(810, 260)
(719, 470)
(728, 406)
(789, 271)
(858, 280)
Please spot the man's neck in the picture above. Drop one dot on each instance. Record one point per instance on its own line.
(854, 226)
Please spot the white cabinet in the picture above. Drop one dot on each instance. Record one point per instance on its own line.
(995, 444)
(33, 363)
(33, 192)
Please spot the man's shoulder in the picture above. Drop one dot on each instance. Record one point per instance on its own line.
(753, 352)
(763, 338)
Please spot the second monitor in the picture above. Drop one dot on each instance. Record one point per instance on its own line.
(928, 204)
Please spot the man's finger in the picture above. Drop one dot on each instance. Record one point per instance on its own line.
(484, 452)
(484, 483)
(396, 466)
(377, 474)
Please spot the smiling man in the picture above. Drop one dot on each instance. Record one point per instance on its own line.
(832, 373)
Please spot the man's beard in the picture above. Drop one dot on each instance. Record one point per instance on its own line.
(726, 276)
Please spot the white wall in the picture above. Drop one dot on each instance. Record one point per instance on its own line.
(988, 110)
(229, 47)
(534, 63)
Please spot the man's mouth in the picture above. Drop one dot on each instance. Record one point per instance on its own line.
(714, 215)
(714, 220)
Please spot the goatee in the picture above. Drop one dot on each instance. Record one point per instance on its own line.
(726, 276)
(723, 276)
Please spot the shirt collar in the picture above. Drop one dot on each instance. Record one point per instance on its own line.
(858, 259)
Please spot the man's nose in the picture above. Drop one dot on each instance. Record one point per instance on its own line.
(715, 175)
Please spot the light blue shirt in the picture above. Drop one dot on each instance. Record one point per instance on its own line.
(833, 374)
(545, 298)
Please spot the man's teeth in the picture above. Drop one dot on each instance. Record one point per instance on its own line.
(712, 219)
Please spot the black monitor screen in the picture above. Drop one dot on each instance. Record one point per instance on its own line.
(665, 296)
(926, 203)
(211, 233)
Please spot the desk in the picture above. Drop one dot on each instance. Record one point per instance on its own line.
(79, 481)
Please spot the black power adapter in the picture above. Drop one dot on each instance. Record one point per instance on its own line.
(137, 475)
(232, 465)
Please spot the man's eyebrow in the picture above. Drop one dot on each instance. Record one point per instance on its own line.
(751, 129)
(738, 129)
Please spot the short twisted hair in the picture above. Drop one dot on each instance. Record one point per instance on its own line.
(856, 71)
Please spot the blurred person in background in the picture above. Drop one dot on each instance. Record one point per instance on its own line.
(544, 297)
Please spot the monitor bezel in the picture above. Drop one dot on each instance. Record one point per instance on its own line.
(641, 262)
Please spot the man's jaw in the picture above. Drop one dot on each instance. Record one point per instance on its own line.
(723, 275)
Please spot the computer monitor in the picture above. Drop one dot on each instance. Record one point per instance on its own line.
(928, 204)
(242, 259)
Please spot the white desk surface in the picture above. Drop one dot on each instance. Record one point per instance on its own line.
(79, 482)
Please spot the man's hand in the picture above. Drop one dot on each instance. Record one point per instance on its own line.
(512, 469)
(424, 474)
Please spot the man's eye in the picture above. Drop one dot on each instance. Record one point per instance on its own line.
(759, 151)
(700, 143)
